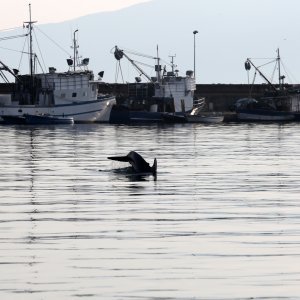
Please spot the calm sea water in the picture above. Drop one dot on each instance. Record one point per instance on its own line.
(221, 220)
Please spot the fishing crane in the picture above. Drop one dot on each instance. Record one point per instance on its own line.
(119, 54)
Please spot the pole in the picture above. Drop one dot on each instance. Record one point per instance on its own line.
(195, 32)
(279, 71)
(29, 26)
(31, 66)
(75, 51)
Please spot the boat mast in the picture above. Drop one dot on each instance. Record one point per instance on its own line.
(75, 46)
(158, 66)
(172, 63)
(279, 73)
(29, 26)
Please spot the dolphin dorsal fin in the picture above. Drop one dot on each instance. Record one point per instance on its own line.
(154, 167)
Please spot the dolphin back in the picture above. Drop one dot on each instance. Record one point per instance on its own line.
(137, 162)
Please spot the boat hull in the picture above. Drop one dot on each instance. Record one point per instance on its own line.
(124, 116)
(47, 120)
(174, 118)
(264, 116)
(204, 119)
(86, 111)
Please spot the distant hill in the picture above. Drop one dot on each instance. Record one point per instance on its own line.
(229, 32)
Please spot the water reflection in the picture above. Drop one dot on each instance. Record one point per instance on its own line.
(127, 173)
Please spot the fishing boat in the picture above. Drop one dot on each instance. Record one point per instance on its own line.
(278, 104)
(164, 94)
(249, 109)
(72, 94)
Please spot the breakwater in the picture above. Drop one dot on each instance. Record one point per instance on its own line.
(219, 97)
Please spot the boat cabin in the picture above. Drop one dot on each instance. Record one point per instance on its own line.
(181, 89)
(55, 88)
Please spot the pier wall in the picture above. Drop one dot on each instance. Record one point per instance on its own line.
(220, 97)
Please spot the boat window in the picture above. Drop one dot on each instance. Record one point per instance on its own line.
(63, 95)
(84, 94)
(74, 95)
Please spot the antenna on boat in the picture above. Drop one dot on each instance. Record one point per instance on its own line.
(75, 47)
(158, 66)
(278, 61)
(29, 26)
(280, 77)
(172, 63)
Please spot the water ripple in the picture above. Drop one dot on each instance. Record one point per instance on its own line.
(220, 221)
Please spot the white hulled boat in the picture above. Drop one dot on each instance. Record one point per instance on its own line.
(60, 94)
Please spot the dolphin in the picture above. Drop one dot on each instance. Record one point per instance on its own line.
(139, 165)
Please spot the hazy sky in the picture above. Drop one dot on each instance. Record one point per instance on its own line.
(52, 11)
(229, 31)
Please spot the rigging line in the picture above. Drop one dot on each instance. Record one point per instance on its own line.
(248, 77)
(268, 63)
(13, 50)
(13, 37)
(274, 70)
(252, 85)
(121, 72)
(146, 56)
(167, 63)
(288, 74)
(138, 53)
(12, 28)
(41, 65)
(143, 64)
(61, 48)
(261, 58)
(22, 54)
(40, 52)
(254, 77)
(2, 75)
(116, 72)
